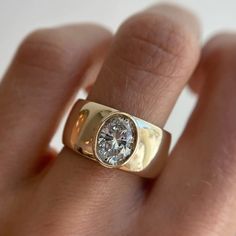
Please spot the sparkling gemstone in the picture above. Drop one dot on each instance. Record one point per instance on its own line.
(116, 140)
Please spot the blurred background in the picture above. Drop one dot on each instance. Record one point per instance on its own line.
(19, 17)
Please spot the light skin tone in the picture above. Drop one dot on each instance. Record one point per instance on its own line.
(147, 63)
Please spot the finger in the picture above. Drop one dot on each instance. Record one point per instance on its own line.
(156, 58)
(197, 81)
(47, 158)
(47, 70)
(195, 194)
(92, 73)
(152, 56)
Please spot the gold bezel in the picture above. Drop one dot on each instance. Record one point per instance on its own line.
(103, 121)
(151, 147)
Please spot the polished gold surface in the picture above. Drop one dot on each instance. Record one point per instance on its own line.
(152, 142)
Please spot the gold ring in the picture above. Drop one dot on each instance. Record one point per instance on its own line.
(116, 139)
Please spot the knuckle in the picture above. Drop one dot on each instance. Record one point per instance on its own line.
(155, 45)
(218, 61)
(221, 50)
(43, 51)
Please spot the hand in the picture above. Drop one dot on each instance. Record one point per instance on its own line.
(150, 60)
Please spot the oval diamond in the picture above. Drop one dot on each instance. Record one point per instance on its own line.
(116, 140)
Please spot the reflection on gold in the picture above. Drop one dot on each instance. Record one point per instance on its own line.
(82, 116)
(151, 149)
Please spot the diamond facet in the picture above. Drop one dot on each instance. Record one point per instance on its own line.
(116, 140)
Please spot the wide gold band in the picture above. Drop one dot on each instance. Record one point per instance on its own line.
(81, 130)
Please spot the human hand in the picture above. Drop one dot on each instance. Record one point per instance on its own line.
(150, 60)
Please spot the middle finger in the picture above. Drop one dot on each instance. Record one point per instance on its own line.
(151, 59)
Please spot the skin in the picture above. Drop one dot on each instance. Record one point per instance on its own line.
(140, 70)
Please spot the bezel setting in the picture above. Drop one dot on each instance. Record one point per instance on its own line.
(116, 140)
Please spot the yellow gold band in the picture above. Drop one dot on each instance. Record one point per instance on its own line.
(144, 152)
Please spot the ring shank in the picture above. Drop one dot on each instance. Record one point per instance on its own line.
(151, 150)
